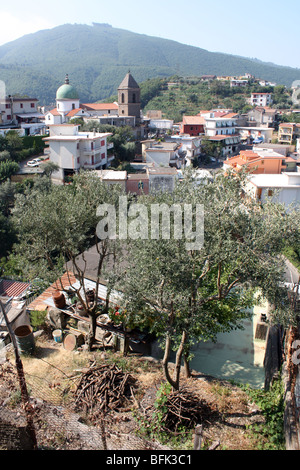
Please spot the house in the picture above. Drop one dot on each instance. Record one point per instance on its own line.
(263, 116)
(112, 177)
(190, 147)
(162, 179)
(208, 78)
(283, 188)
(161, 125)
(161, 153)
(261, 99)
(72, 150)
(229, 144)
(283, 149)
(238, 83)
(137, 183)
(193, 126)
(220, 127)
(21, 113)
(219, 123)
(262, 161)
(12, 296)
(101, 109)
(288, 133)
(255, 135)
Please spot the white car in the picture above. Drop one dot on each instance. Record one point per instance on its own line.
(33, 163)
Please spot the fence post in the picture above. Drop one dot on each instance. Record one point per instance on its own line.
(22, 381)
(198, 437)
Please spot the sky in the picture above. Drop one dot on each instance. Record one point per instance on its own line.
(263, 29)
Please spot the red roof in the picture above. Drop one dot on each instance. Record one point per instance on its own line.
(100, 106)
(54, 112)
(66, 280)
(73, 112)
(13, 288)
(193, 120)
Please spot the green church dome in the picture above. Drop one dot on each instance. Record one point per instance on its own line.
(67, 91)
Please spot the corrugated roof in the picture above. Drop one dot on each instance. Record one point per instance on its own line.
(13, 288)
(66, 280)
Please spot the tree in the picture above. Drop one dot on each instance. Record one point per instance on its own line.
(56, 225)
(188, 295)
(7, 169)
(48, 168)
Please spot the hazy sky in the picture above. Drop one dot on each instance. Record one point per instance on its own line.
(264, 29)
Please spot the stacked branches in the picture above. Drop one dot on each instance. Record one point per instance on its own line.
(104, 388)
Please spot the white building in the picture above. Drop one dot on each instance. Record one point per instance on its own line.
(283, 188)
(224, 125)
(256, 135)
(190, 146)
(72, 150)
(101, 109)
(21, 113)
(261, 99)
(163, 154)
(67, 105)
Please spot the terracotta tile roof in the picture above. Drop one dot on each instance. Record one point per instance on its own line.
(39, 303)
(73, 112)
(193, 120)
(13, 288)
(99, 106)
(54, 112)
(230, 115)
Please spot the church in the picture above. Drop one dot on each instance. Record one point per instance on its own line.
(72, 150)
(127, 111)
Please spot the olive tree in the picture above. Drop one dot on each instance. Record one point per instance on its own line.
(56, 225)
(184, 294)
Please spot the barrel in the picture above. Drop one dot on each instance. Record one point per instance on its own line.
(25, 339)
(59, 300)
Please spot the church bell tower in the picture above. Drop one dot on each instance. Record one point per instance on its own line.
(129, 98)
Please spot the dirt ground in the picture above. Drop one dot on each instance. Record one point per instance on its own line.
(52, 375)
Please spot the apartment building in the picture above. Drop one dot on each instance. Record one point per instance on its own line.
(72, 150)
(261, 99)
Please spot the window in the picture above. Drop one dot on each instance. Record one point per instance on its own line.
(103, 156)
(8, 106)
(133, 98)
(141, 185)
(8, 117)
(73, 105)
(21, 105)
(32, 105)
(102, 143)
(270, 192)
(123, 98)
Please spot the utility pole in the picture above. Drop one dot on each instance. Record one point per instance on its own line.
(22, 382)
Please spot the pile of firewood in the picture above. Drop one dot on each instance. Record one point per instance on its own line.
(104, 388)
(183, 409)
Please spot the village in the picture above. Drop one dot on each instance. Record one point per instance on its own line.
(256, 144)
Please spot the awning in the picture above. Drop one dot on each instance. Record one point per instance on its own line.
(31, 115)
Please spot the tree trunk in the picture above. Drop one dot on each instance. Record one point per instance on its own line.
(166, 363)
(179, 355)
(187, 369)
(92, 331)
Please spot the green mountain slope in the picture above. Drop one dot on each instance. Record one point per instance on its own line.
(97, 57)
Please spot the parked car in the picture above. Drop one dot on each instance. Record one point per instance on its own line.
(33, 163)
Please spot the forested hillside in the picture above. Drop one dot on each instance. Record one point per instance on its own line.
(98, 57)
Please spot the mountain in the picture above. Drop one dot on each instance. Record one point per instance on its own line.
(98, 57)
